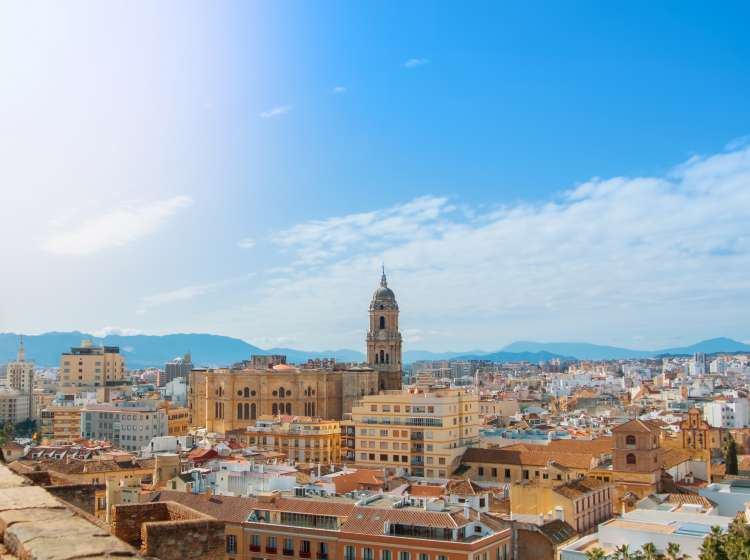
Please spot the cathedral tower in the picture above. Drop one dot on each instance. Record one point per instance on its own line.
(384, 338)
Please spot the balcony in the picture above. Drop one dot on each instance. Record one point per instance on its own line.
(288, 552)
(322, 556)
(303, 554)
(254, 548)
(271, 549)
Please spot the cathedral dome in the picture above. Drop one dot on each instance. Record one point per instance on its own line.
(383, 292)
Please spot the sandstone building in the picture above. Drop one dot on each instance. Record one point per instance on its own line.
(226, 399)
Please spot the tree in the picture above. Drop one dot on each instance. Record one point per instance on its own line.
(713, 547)
(674, 553)
(596, 554)
(730, 456)
(649, 552)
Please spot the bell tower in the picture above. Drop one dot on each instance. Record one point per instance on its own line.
(384, 338)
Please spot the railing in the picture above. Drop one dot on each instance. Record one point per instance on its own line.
(322, 556)
(271, 549)
(288, 552)
(255, 548)
(303, 554)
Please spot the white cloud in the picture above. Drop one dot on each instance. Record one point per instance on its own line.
(246, 243)
(606, 261)
(276, 112)
(113, 228)
(414, 62)
(187, 293)
(119, 331)
(339, 90)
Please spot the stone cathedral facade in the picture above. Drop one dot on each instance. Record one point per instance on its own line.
(226, 399)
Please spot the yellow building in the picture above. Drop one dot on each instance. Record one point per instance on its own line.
(91, 366)
(301, 439)
(423, 431)
(583, 503)
(178, 421)
(61, 423)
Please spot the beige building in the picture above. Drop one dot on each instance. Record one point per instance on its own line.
(20, 377)
(14, 406)
(222, 400)
(61, 423)
(422, 431)
(91, 366)
(228, 399)
(301, 439)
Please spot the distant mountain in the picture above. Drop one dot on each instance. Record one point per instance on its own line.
(586, 351)
(711, 346)
(411, 356)
(502, 356)
(580, 350)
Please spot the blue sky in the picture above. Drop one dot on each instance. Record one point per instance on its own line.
(533, 170)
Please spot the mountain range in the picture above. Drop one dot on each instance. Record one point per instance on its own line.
(215, 350)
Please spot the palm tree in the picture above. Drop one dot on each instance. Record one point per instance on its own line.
(596, 554)
(650, 552)
(673, 552)
(622, 553)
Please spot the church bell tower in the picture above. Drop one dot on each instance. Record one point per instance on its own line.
(384, 338)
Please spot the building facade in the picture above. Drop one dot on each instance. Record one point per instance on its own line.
(14, 406)
(61, 423)
(127, 427)
(20, 377)
(91, 366)
(301, 439)
(179, 367)
(423, 432)
(384, 338)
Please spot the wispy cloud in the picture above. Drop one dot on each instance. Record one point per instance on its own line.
(187, 293)
(339, 90)
(113, 228)
(246, 243)
(632, 253)
(119, 331)
(414, 62)
(276, 111)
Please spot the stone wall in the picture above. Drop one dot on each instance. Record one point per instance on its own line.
(82, 496)
(169, 531)
(35, 524)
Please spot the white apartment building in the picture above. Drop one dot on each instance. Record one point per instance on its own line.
(727, 413)
(126, 426)
(418, 431)
(232, 478)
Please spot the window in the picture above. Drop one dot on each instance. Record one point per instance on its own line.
(367, 554)
(288, 547)
(271, 545)
(630, 459)
(480, 470)
(404, 555)
(507, 473)
(385, 555)
(348, 553)
(424, 556)
(231, 544)
(494, 472)
(630, 441)
(382, 323)
(304, 548)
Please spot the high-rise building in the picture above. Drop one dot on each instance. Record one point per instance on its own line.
(91, 366)
(420, 431)
(384, 338)
(20, 377)
(14, 406)
(179, 367)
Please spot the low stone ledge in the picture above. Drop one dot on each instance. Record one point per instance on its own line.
(34, 525)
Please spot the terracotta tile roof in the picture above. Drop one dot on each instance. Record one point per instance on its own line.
(671, 457)
(369, 521)
(426, 491)
(464, 488)
(358, 479)
(580, 487)
(506, 456)
(635, 425)
(689, 499)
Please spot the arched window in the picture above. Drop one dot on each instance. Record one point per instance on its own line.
(274, 409)
(247, 411)
(377, 358)
(382, 322)
(252, 411)
(247, 392)
(629, 440)
(630, 459)
(387, 358)
(281, 408)
(288, 408)
(282, 392)
(239, 411)
(382, 356)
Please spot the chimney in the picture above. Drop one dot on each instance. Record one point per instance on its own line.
(466, 511)
(560, 513)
